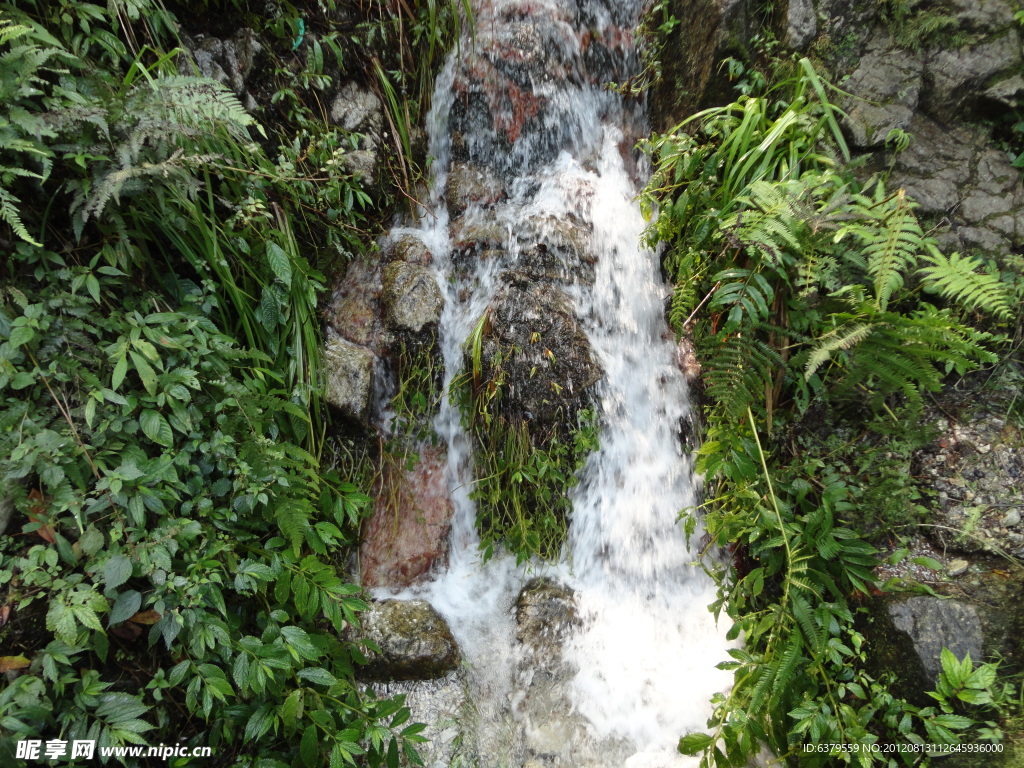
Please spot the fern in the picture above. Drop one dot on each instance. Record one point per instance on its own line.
(739, 369)
(891, 239)
(957, 279)
(833, 342)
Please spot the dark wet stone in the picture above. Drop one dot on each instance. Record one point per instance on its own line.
(414, 640)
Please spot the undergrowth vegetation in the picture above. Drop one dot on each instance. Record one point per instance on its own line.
(524, 470)
(823, 317)
(167, 570)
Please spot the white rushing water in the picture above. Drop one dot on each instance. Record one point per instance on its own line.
(526, 101)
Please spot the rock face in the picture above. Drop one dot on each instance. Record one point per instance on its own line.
(887, 89)
(358, 110)
(408, 532)
(349, 379)
(414, 640)
(232, 62)
(468, 185)
(933, 624)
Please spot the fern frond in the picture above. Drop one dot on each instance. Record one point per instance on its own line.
(841, 338)
(9, 214)
(958, 279)
(891, 239)
(737, 371)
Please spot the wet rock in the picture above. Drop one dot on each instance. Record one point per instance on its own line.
(410, 249)
(349, 379)
(231, 62)
(545, 613)
(801, 24)
(933, 624)
(687, 360)
(471, 185)
(537, 348)
(886, 86)
(556, 249)
(408, 532)
(355, 306)
(412, 299)
(414, 640)
(475, 234)
(957, 567)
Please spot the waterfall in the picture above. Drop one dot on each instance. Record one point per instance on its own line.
(524, 102)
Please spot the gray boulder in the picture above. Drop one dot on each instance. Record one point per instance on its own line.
(349, 379)
(413, 302)
(801, 24)
(933, 624)
(414, 640)
(232, 62)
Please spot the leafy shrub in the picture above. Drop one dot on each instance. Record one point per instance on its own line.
(803, 291)
(173, 577)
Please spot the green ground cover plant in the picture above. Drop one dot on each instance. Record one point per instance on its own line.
(168, 572)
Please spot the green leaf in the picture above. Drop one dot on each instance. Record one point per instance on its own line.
(309, 747)
(126, 606)
(117, 571)
(156, 428)
(93, 286)
(317, 675)
(91, 541)
(20, 335)
(145, 371)
(120, 371)
(694, 743)
(279, 263)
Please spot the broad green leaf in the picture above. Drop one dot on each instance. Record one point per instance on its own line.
(117, 571)
(21, 334)
(279, 263)
(126, 606)
(317, 675)
(145, 371)
(156, 428)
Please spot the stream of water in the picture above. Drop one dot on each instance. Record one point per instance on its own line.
(524, 102)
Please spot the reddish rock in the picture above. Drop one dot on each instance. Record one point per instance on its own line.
(408, 532)
(355, 309)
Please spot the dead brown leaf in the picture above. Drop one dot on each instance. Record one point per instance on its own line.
(7, 663)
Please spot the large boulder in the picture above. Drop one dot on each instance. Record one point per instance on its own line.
(349, 379)
(536, 347)
(886, 87)
(355, 307)
(408, 532)
(415, 641)
(545, 614)
(358, 110)
(468, 185)
(413, 302)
